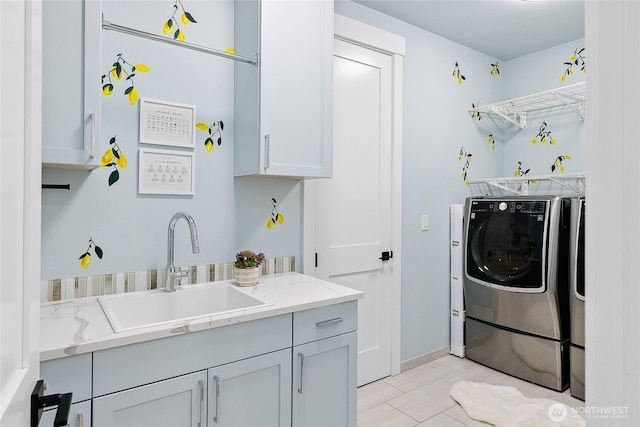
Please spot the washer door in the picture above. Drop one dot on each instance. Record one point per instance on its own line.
(505, 245)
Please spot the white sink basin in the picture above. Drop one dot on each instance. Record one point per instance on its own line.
(153, 308)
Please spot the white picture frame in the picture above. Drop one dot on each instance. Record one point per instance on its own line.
(170, 172)
(167, 123)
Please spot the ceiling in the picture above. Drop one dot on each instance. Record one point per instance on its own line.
(504, 29)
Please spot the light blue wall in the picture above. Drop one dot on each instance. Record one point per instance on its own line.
(538, 72)
(231, 214)
(435, 124)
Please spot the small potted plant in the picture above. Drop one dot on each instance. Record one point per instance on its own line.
(246, 271)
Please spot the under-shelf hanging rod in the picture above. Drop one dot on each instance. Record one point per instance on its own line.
(56, 186)
(106, 25)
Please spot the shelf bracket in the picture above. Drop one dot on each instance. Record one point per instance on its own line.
(572, 102)
(518, 118)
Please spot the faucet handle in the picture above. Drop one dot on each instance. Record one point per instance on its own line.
(182, 274)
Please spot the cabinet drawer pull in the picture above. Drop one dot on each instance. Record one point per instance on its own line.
(201, 385)
(301, 358)
(80, 420)
(92, 154)
(329, 321)
(216, 418)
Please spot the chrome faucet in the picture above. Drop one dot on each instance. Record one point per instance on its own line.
(174, 274)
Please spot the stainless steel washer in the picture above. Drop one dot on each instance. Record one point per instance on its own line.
(516, 286)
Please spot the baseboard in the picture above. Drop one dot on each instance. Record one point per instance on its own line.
(425, 358)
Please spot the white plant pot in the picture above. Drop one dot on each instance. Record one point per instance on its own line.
(246, 276)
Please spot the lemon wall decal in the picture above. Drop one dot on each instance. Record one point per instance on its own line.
(467, 163)
(495, 69)
(544, 135)
(117, 72)
(276, 217)
(577, 59)
(113, 157)
(215, 133)
(458, 75)
(171, 23)
(85, 258)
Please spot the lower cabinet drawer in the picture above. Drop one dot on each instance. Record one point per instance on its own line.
(68, 375)
(129, 366)
(323, 322)
(79, 415)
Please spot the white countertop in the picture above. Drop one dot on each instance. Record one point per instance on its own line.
(80, 325)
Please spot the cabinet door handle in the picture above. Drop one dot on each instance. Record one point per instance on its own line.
(301, 358)
(80, 420)
(329, 321)
(201, 385)
(92, 154)
(267, 147)
(216, 418)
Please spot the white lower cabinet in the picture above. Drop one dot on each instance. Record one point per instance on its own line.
(174, 402)
(324, 382)
(251, 392)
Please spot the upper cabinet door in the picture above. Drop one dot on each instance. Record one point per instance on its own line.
(71, 83)
(283, 109)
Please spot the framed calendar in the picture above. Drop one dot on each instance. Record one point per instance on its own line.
(167, 123)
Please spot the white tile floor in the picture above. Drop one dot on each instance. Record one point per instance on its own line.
(420, 396)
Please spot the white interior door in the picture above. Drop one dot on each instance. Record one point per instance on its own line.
(353, 208)
(20, 104)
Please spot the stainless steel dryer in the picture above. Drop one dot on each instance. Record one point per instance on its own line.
(576, 275)
(516, 286)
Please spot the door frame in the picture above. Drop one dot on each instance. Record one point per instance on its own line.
(365, 35)
(22, 126)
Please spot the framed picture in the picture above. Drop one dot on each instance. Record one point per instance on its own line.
(167, 123)
(166, 172)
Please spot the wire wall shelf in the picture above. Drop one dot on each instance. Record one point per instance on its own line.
(515, 110)
(557, 185)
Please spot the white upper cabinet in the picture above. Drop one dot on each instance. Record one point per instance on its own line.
(283, 107)
(71, 84)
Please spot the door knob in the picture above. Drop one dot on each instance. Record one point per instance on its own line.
(386, 255)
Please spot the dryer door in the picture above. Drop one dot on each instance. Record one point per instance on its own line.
(506, 244)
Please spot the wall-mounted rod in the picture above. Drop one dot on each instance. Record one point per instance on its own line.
(56, 186)
(106, 25)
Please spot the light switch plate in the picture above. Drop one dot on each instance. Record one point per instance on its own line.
(425, 222)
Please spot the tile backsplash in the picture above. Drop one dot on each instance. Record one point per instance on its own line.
(117, 283)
